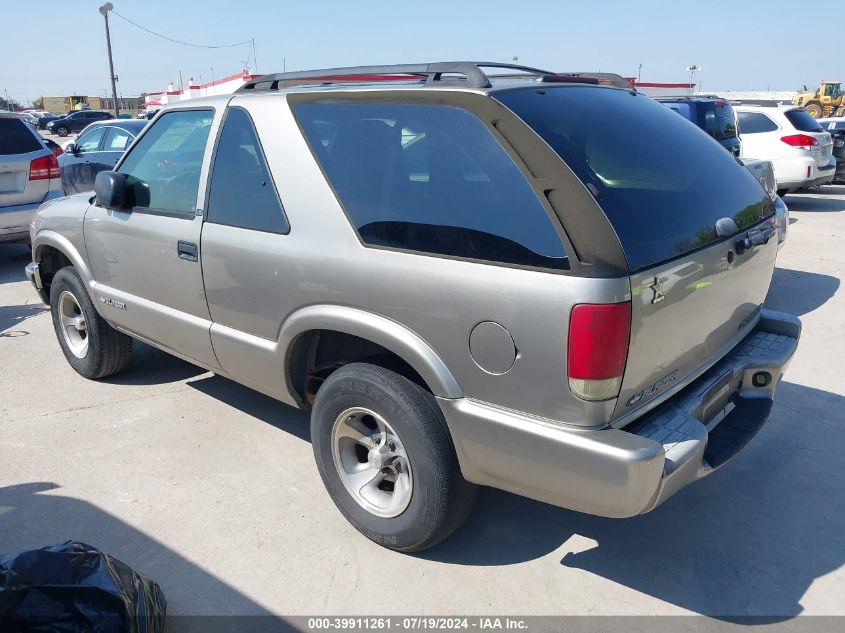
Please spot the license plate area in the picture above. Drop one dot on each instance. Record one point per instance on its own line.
(718, 397)
(10, 182)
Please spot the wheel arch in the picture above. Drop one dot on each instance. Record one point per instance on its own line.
(52, 251)
(303, 330)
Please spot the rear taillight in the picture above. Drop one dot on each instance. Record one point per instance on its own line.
(44, 168)
(598, 349)
(801, 141)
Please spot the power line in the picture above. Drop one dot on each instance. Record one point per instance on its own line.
(170, 39)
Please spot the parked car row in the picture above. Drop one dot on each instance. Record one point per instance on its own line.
(76, 121)
(799, 149)
(97, 148)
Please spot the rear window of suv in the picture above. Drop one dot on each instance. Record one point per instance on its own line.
(660, 181)
(432, 179)
(16, 138)
(718, 120)
(802, 121)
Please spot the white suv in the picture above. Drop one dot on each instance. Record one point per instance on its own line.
(799, 149)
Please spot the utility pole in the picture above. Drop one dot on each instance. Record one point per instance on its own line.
(104, 10)
(692, 70)
(639, 73)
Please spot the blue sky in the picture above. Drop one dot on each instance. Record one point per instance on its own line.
(738, 45)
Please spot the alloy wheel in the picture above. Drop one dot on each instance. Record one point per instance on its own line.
(74, 327)
(372, 462)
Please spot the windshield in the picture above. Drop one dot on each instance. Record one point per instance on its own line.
(661, 181)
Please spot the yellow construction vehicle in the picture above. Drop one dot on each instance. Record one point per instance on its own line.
(827, 100)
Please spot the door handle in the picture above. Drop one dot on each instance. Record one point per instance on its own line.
(187, 251)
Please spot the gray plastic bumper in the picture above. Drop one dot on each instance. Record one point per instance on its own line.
(625, 472)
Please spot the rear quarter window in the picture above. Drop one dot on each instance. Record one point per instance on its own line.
(432, 179)
(802, 121)
(755, 123)
(16, 138)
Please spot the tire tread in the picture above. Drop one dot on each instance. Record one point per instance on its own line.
(112, 350)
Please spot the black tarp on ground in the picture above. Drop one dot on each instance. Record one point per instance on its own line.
(75, 588)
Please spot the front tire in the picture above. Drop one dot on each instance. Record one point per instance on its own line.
(91, 346)
(385, 455)
(62, 131)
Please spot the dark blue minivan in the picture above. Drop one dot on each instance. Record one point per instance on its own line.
(714, 116)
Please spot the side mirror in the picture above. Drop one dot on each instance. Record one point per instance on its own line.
(112, 192)
(71, 148)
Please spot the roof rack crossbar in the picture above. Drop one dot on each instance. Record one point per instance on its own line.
(605, 79)
(432, 73)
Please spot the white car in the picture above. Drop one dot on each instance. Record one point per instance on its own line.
(799, 149)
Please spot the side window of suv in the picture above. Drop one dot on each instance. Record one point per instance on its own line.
(431, 179)
(242, 193)
(163, 168)
(755, 123)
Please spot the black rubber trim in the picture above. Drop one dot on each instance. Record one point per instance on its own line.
(737, 429)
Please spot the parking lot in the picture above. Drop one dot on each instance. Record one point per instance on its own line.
(211, 488)
(62, 142)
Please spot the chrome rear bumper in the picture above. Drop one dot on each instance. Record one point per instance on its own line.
(626, 472)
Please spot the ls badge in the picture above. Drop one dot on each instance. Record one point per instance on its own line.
(113, 303)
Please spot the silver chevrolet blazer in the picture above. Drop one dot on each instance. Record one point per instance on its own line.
(469, 273)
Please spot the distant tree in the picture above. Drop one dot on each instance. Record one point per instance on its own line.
(38, 104)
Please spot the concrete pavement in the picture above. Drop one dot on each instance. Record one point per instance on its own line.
(211, 488)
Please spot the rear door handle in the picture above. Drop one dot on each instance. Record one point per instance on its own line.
(187, 251)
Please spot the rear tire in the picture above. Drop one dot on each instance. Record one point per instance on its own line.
(386, 458)
(91, 346)
(814, 110)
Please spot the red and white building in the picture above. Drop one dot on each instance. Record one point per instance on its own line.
(652, 89)
(227, 85)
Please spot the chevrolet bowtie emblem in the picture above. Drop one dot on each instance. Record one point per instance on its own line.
(657, 288)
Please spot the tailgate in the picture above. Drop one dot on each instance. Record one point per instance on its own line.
(825, 149)
(15, 186)
(19, 146)
(687, 314)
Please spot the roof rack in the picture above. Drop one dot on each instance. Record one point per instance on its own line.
(467, 74)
